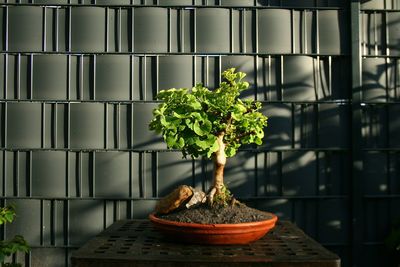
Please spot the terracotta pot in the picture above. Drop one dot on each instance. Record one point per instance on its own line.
(214, 234)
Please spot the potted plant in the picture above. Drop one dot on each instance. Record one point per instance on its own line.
(211, 124)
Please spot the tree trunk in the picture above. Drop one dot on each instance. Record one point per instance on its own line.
(219, 165)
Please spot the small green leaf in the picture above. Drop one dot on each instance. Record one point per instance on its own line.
(179, 116)
(9, 217)
(171, 140)
(213, 148)
(163, 121)
(236, 116)
(202, 144)
(189, 123)
(195, 105)
(230, 151)
(196, 115)
(197, 129)
(181, 142)
(206, 126)
(240, 108)
(258, 141)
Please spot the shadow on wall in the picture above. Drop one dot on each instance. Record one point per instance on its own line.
(273, 177)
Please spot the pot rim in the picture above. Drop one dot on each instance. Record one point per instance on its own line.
(272, 221)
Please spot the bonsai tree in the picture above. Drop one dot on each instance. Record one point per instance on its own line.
(212, 124)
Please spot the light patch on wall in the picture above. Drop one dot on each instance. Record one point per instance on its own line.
(383, 187)
(335, 224)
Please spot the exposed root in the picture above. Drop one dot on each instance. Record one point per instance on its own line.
(220, 197)
(211, 195)
(234, 202)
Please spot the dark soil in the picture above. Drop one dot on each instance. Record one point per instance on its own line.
(239, 213)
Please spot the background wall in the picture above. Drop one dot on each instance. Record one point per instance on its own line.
(78, 80)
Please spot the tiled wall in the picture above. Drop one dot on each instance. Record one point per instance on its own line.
(380, 47)
(78, 81)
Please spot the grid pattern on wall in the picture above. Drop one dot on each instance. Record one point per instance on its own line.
(78, 81)
(379, 94)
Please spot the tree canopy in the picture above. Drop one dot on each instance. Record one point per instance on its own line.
(191, 120)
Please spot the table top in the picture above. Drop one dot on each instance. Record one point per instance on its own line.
(137, 243)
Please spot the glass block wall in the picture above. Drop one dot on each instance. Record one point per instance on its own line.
(78, 83)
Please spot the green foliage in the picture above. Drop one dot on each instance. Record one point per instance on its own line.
(223, 198)
(191, 120)
(18, 243)
(7, 214)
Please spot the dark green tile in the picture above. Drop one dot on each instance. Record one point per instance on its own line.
(173, 171)
(237, 2)
(274, 31)
(332, 26)
(113, 2)
(240, 174)
(119, 126)
(374, 79)
(88, 29)
(18, 82)
(394, 126)
(87, 125)
(268, 173)
(112, 174)
(175, 72)
(150, 30)
(24, 125)
(212, 30)
(25, 31)
(393, 41)
(50, 78)
(375, 133)
(143, 138)
(332, 226)
(334, 172)
(142, 208)
(49, 174)
(333, 122)
(299, 173)
(299, 76)
(305, 126)
(176, 2)
(85, 220)
(278, 133)
(295, 3)
(51, 2)
(113, 81)
(2, 30)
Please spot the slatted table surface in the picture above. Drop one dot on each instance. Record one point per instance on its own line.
(137, 243)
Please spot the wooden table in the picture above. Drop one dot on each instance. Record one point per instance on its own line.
(137, 243)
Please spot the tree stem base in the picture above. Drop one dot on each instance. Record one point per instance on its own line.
(220, 196)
